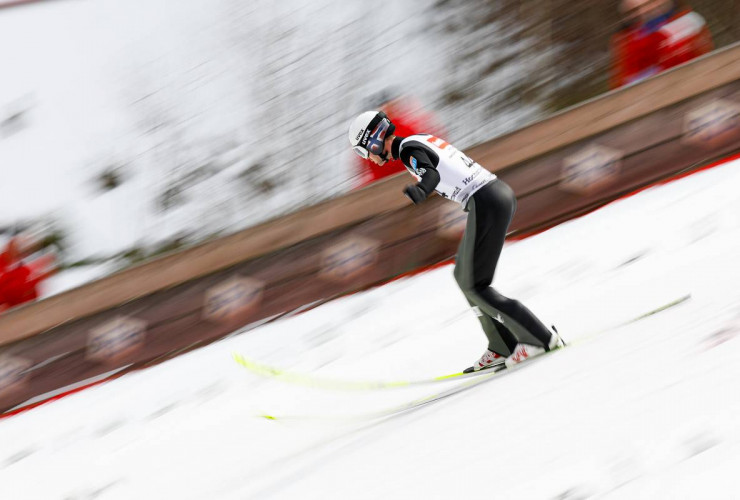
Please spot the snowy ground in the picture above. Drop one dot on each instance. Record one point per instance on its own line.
(643, 410)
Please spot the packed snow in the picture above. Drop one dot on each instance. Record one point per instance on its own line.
(631, 409)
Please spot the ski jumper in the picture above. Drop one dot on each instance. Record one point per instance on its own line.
(490, 204)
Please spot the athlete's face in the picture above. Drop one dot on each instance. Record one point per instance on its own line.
(377, 159)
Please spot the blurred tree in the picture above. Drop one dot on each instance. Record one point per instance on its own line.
(295, 74)
(14, 116)
(110, 177)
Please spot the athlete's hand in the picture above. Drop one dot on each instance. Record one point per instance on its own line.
(415, 193)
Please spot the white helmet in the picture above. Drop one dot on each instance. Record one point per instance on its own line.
(368, 131)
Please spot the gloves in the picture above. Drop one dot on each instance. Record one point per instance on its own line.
(415, 193)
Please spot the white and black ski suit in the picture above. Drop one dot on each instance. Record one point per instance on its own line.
(490, 204)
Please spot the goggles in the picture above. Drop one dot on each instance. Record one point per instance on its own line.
(375, 141)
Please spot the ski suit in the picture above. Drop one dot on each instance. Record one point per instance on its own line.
(490, 204)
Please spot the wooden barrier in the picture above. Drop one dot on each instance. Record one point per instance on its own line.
(559, 168)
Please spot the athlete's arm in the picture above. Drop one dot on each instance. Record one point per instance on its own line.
(419, 162)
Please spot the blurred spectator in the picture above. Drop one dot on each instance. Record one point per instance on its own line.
(656, 35)
(409, 118)
(19, 280)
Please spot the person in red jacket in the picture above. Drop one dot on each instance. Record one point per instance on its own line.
(657, 35)
(19, 280)
(409, 119)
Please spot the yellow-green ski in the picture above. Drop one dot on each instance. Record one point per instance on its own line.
(310, 380)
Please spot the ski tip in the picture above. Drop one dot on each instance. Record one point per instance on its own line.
(269, 417)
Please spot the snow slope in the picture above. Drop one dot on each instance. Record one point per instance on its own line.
(648, 409)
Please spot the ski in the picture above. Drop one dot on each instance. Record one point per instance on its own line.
(485, 375)
(310, 380)
(480, 378)
(401, 408)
